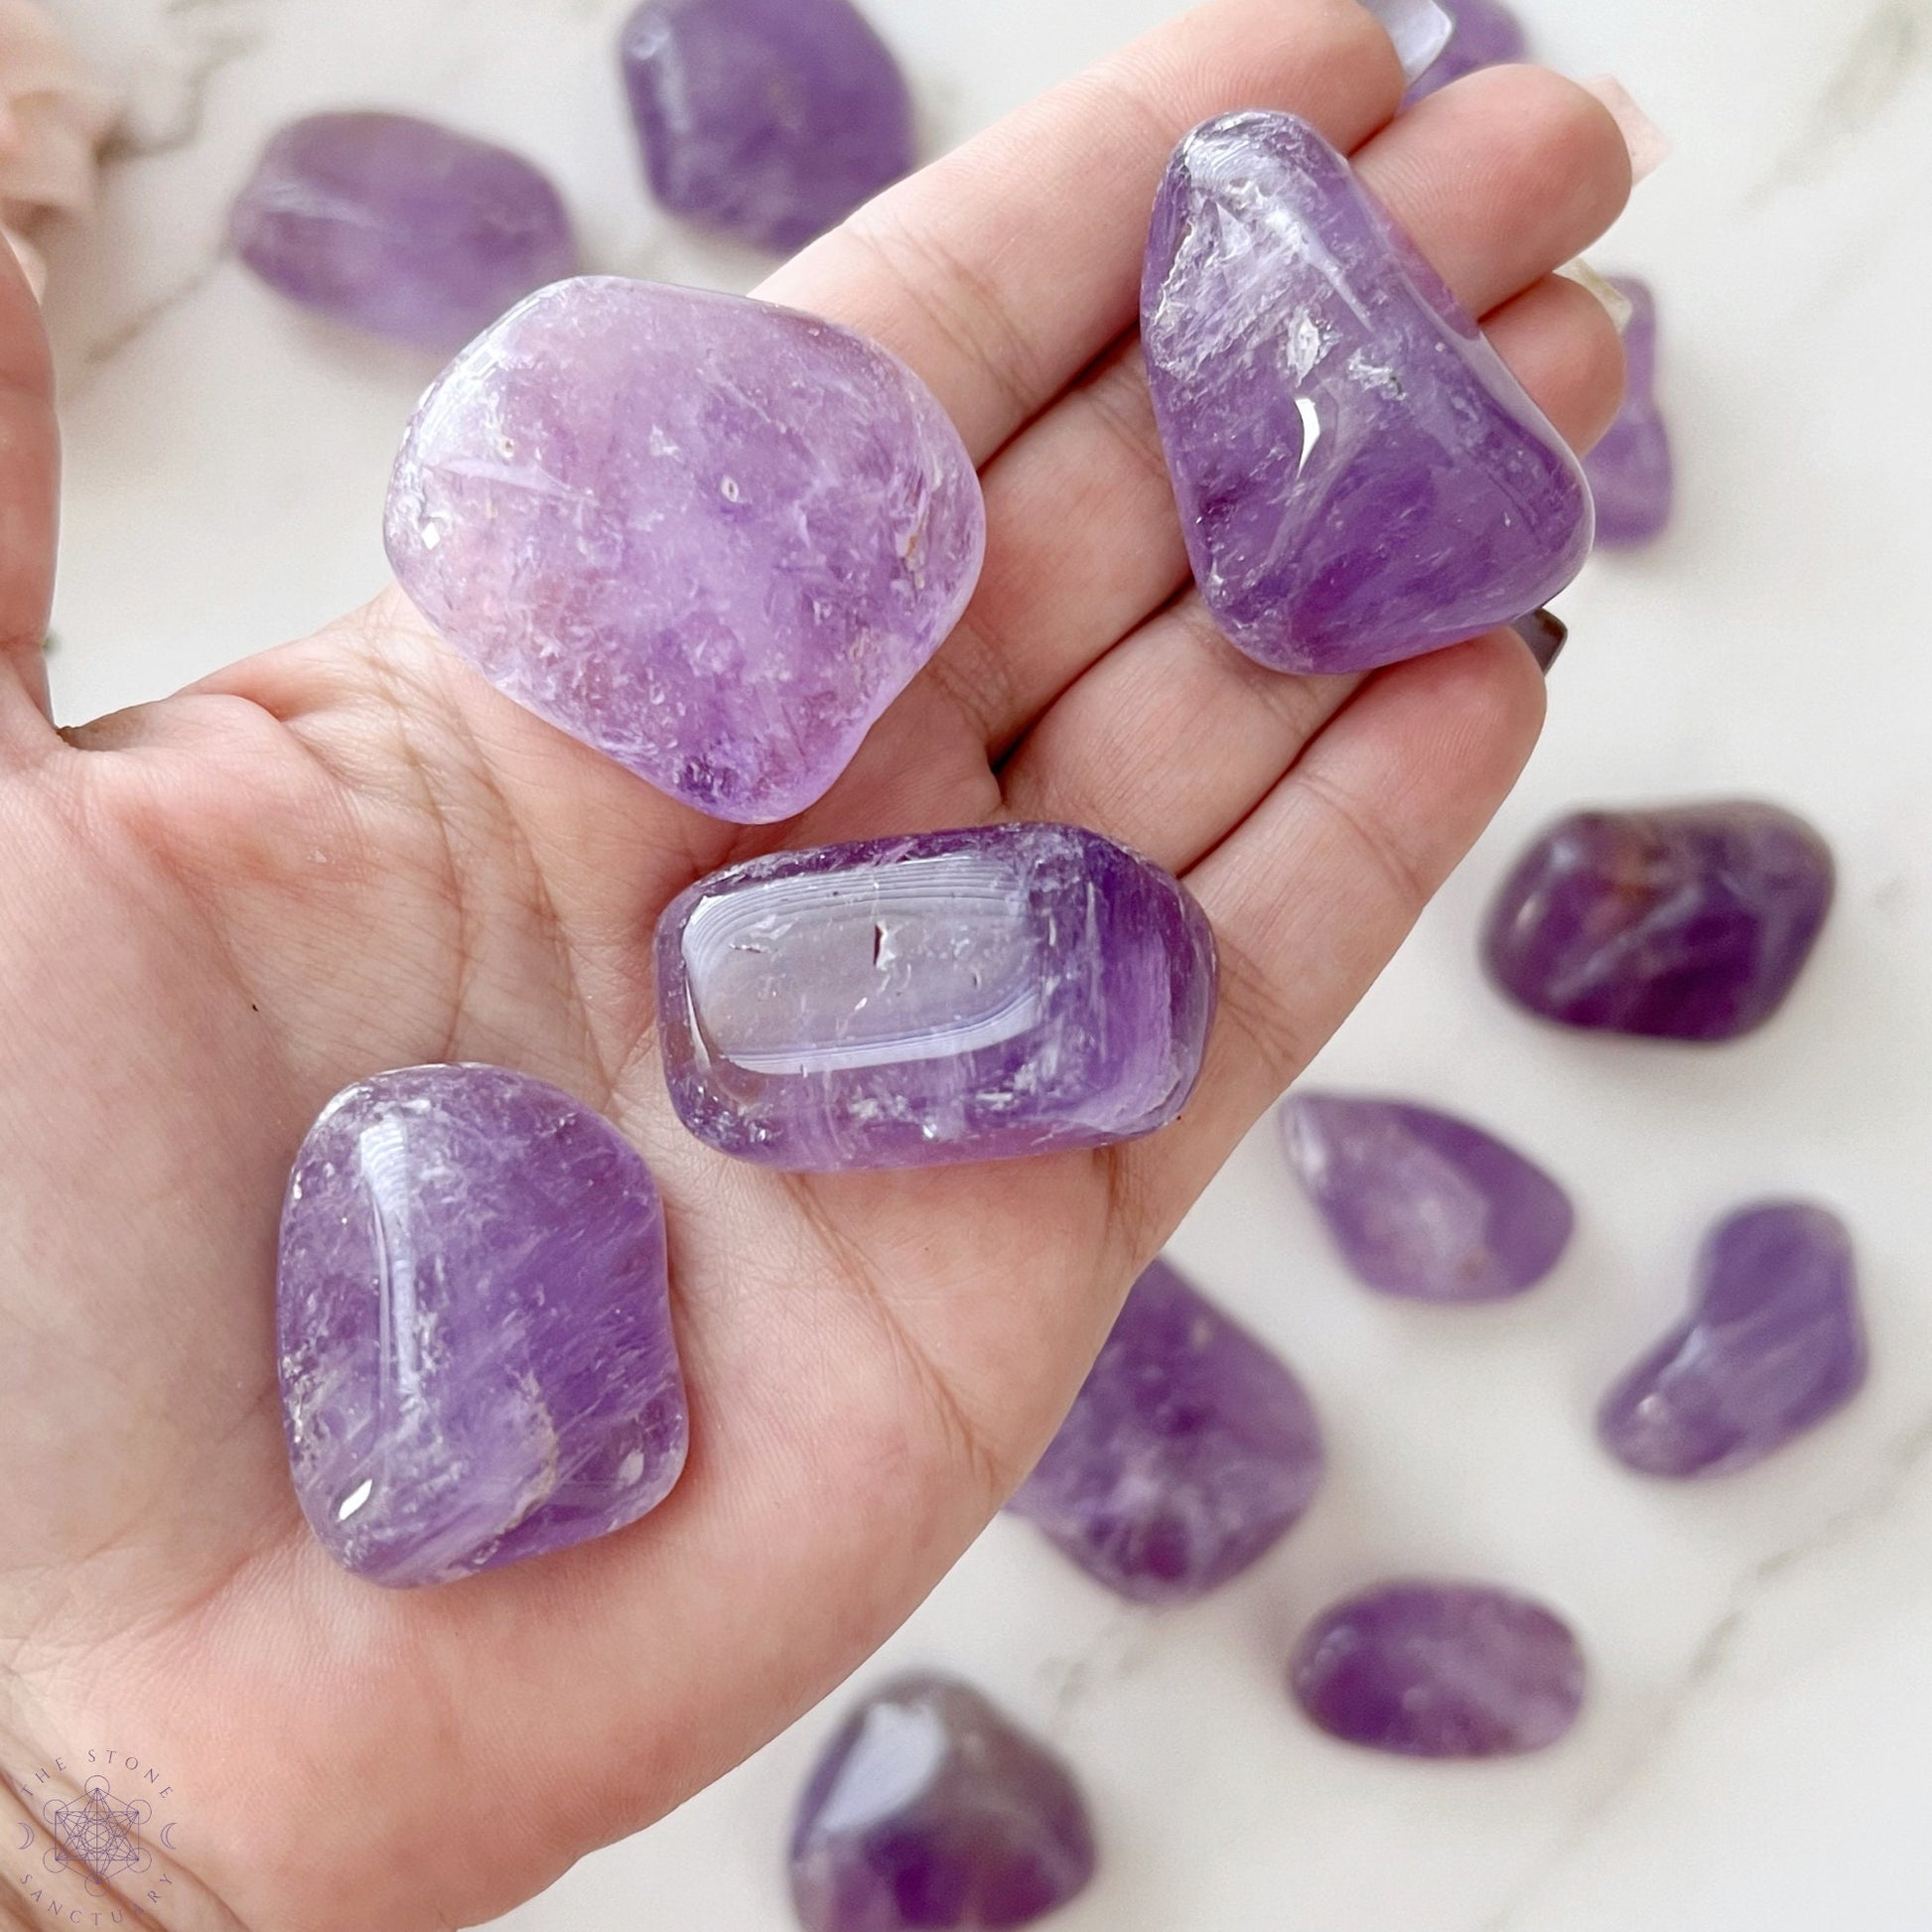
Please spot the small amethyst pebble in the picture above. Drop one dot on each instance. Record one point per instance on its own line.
(1487, 35)
(1688, 923)
(771, 120)
(1632, 473)
(959, 996)
(399, 226)
(473, 1325)
(1440, 1670)
(1189, 1453)
(1423, 1204)
(1772, 1346)
(930, 1810)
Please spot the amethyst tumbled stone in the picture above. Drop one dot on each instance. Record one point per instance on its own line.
(768, 119)
(959, 996)
(1633, 472)
(1687, 922)
(1440, 1670)
(930, 1810)
(1359, 478)
(1773, 1344)
(1487, 33)
(400, 226)
(710, 537)
(473, 1325)
(1189, 1453)
(1423, 1204)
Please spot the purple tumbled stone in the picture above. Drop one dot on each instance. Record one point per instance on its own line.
(400, 226)
(959, 996)
(1423, 1204)
(1685, 922)
(1773, 1344)
(1189, 1453)
(1633, 474)
(1440, 1670)
(768, 119)
(473, 1325)
(931, 1809)
(1359, 478)
(710, 537)
(1487, 35)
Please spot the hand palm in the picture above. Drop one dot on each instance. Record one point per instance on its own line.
(350, 855)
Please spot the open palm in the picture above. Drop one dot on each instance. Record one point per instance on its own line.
(351, 854)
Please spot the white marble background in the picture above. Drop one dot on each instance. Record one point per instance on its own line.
(1757, 1756)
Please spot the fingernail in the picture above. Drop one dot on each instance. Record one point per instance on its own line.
(1619, 305)
(1546, 637)
(1420, 29)
(1649, 145)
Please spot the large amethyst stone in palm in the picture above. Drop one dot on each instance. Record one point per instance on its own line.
(1772, 1346)
(1487, 33)
(929, 1810)
(1688, 923)
(959, 996)
(768, 119)
(710, 537)
(1360, 477)
(473, 1325)
(1633, 472)
(1189, 1453)
(400, 226)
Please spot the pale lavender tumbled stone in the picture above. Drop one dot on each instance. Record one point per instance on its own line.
(400, 226)
(1440, 1670)
(1423, 1204)
(1487, 35)
(710, 537)
(1633, 472)
(473, 1325)
(1359, 478)
(930, 1810)
(1773, 1345)
(768, 119)
(958, 995)
(1189, 1453)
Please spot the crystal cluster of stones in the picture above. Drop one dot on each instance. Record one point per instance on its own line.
(958, 995)
(400, 226)
(1487, 35)
(1423, 1204)
(1633, 472)
(710, 537)
(1360, 477)
(1189, 1453)
(473, 1326)
(1440, 1670)
(931, 1809)
(769, 120)
(1773, 1345)
(1688, 923)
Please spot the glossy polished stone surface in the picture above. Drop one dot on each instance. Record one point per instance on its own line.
(959, 996)
(1189, 1453)
(1440, 1670)
(766, 119)
(1487, 35)
(1772, 1346)
(1423, 1204)
(400, 226)
(710, 537)
(931, 1809)
(1359, 478)
(1633, 472)
(473, 1325)
(1679, 922)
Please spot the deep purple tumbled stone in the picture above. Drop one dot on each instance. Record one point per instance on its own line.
(473, 1325)
(1423, 1204)
(1359, 478)
(931, 1809)
(768, 119)
(710, 537)
(1487, 35)
(1773, 1344)
(400, 226)
(1632, 473)
(1440, 1670)
(1189, 1453)
(960, 995)
(1680, 923)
